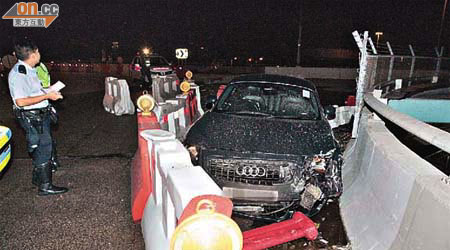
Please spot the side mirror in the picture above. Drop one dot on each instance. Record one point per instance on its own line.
(330, 112)
(210, 101)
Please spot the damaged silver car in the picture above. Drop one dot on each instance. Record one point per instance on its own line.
(268, 144)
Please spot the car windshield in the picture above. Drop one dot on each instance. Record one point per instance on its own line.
(156, 61)
(269, 100)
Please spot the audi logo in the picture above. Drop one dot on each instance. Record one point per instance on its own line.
(251, 171)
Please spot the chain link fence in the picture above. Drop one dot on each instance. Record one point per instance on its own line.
(387, 63)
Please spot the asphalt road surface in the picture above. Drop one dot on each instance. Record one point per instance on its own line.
(95, 149)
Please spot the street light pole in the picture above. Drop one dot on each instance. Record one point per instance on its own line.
(299, 41)
(378, 34)
(442, 23)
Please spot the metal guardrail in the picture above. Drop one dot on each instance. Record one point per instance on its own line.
(391, 85)
(376, 68)
(410, 82)
(430, 134)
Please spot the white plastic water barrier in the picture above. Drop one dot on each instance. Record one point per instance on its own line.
(175, 182)
(343, 116)
(117, 98)
(176, 115)
(164, 87)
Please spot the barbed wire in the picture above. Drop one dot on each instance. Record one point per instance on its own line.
(402, 50)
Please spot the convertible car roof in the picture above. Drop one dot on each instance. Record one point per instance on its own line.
(274, 79)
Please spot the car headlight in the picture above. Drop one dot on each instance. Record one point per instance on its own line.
(328, 166)
(319, 162)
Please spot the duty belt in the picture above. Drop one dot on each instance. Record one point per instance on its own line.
(40, 111)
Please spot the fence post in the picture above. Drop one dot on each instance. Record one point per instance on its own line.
(362, 44)
(373, 47)
(391, 63)
(413, 64)
(439, 60)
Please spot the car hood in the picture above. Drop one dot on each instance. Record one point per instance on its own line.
(260, 135)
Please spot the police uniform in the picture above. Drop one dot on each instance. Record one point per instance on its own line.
(44, 77)
(24, 82)
(35, 120)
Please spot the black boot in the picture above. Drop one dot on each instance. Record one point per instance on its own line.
(54, 164)
(54, 160)
(35, 177)
(46, 187)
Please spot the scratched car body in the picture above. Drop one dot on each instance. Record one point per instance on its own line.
(268, 144)
(143, 67)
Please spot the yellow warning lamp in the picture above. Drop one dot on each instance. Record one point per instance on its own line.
(146, 103)
(185, 86)
(207, 230)
(188, 74)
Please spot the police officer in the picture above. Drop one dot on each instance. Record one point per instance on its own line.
(44, 77)
(31, 108)
(144, 61)
(146, 75)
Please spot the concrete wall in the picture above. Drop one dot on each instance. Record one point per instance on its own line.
(344, 73)
(392, 199)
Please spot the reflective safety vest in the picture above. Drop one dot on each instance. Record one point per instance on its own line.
(43, 75)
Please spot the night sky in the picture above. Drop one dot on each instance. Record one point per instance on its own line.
(226, 28)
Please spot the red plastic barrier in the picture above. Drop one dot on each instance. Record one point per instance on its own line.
(190, 110)
(141, 170)
(119, 70)
(90, 68)
(106, 68)
(143, 165)
(278, 233)
(191, 105)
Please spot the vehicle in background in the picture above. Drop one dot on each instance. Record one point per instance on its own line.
(267, 143)
(146, 64)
